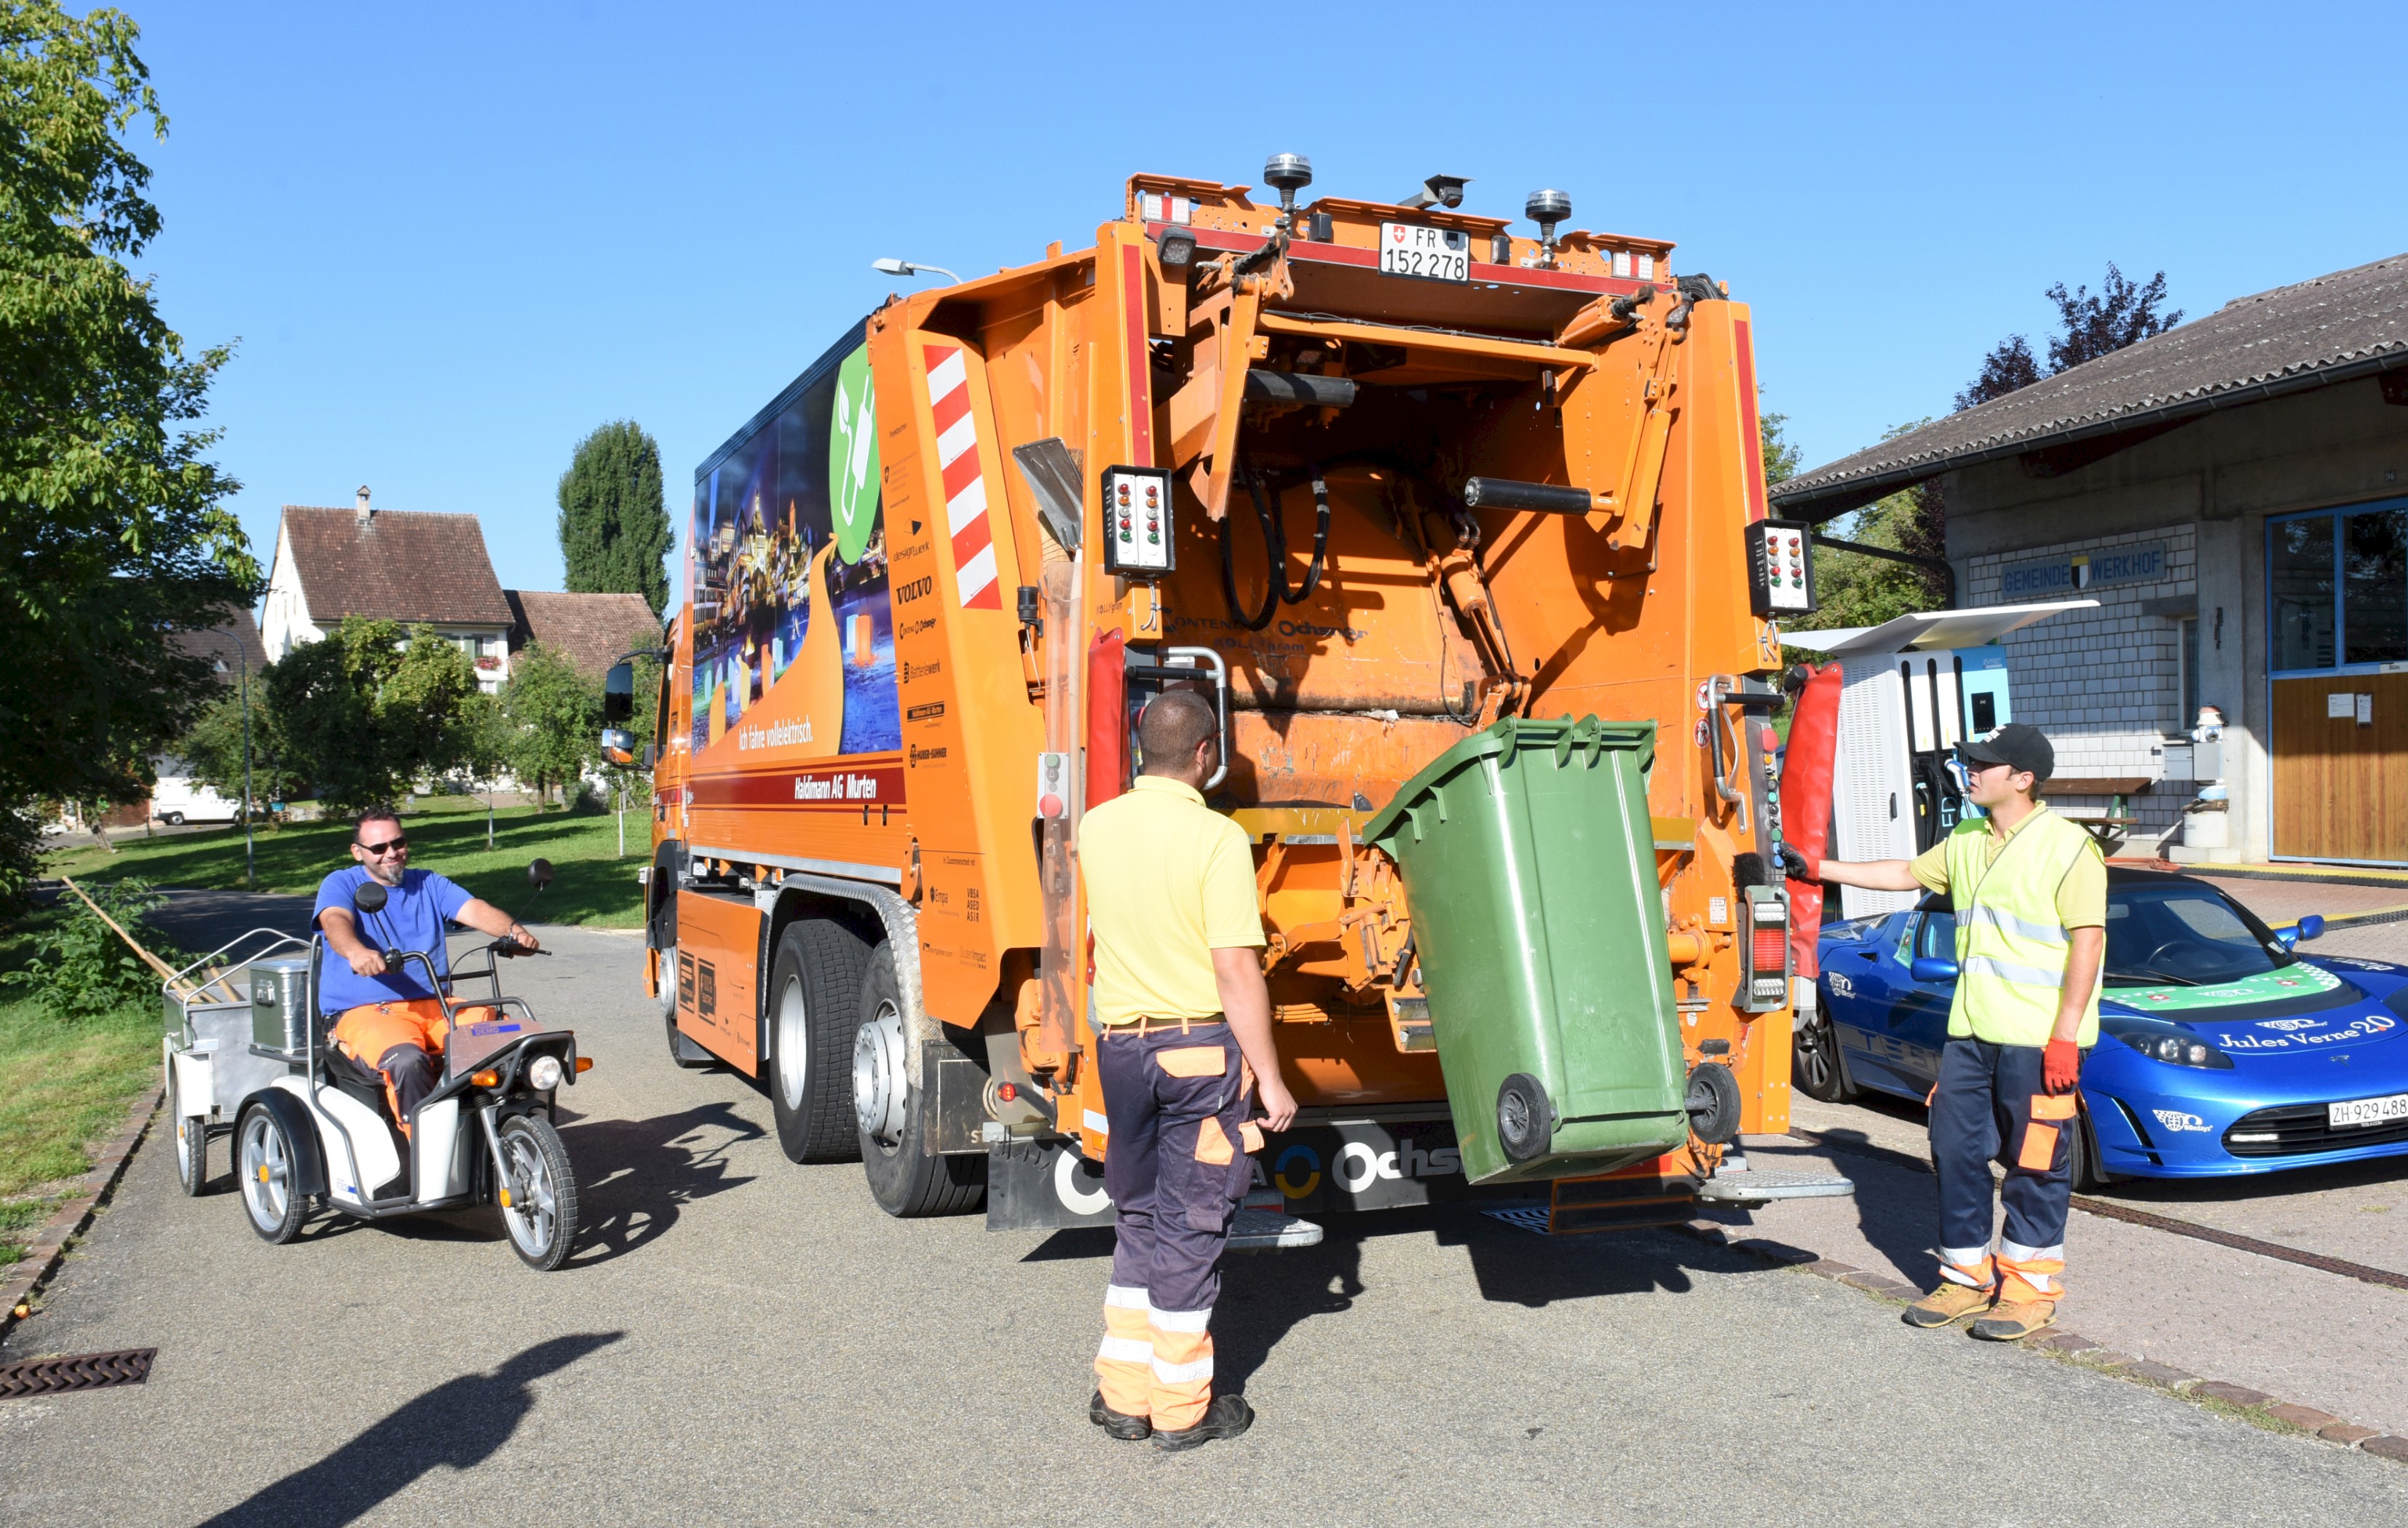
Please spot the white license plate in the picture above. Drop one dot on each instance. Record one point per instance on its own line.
(2367, 1111)
(1434, 254)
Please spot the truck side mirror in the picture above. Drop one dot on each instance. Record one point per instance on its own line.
(619, 747)
(649, 758)
(540, 874)
(369, 897)
(619, 694)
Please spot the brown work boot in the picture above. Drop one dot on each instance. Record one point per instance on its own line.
(1227, 1417)
(1119, 1424)
(2007, 1322)
(1951, 1302)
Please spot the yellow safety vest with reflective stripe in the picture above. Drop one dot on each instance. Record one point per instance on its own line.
(2011, 949)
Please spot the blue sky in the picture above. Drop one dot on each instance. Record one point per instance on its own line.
(451, 240)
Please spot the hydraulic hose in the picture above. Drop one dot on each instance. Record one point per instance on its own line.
(1275, 551)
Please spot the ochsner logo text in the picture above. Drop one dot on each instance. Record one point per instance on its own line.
(1359, 1166)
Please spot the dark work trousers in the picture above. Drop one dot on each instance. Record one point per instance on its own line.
(1992, 1105)
(1176, 1100)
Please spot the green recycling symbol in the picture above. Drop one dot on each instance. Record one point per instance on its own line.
(852, 457)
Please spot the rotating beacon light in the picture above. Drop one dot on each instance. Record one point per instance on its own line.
(1288, 174)
(1547, 208)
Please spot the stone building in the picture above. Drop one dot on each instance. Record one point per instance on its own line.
(2230, 494)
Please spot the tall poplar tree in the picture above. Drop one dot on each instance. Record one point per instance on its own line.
(614, 522)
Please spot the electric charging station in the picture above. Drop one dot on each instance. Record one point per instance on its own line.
(1911, 690)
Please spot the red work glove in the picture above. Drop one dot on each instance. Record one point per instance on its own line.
(2061, 1066)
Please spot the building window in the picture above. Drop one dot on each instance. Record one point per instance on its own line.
(2374, 586)
(2189, 651)
(2299, 578)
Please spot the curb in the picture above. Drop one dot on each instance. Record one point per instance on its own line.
(2252, 1404)
(50, 1244)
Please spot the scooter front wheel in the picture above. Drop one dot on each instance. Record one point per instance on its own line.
(539, 1199)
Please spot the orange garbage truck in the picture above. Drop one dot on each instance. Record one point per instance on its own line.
(1464, 533)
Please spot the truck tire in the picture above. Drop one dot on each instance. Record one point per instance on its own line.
(814, 993)
(890, 1110)
(683, 1050)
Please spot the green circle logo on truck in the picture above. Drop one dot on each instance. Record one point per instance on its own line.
(852, 457)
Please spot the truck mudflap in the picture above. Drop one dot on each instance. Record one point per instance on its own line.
(1320, 1168)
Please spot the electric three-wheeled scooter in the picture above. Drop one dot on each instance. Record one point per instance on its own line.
(325, 1134)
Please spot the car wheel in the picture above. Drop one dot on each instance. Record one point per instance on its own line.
(815, 996)
(1814, 1063)
(539, 1202)
(266, 1164)
(890, 1110)
(192, 1142)
(173, 819)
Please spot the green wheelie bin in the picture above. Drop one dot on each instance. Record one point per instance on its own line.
(1530, 867)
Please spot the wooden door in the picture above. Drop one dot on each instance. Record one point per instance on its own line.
(2340, 786)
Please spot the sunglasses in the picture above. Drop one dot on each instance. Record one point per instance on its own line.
(391, 845)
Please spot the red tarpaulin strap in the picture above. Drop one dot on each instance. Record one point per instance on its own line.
(1806, 804)
(1108, 719)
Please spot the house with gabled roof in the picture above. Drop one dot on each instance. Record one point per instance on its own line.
(418, 567)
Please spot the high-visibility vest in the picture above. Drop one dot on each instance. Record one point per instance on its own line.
(2011, 949)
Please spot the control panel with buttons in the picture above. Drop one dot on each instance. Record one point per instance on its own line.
(1136, 522)
(1780, 568)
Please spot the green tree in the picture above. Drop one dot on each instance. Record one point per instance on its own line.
(113, 529)
(485, 735)
(614, 523)
(634, 782)
(555, 717)
(1780, 453)
(360, 716)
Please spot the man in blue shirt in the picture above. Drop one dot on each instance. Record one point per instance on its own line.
(386, 1017)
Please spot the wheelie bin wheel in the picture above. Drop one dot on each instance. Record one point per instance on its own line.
(1714, 1103)
(264, 1164)
(1526, 1121)
(539, 1201)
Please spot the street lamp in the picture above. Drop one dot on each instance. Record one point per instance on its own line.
(891, 266)
(242, 660)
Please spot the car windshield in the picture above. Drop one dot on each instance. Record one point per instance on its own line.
(2178, 934)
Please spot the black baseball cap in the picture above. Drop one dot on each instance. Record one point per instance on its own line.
(2015, 745)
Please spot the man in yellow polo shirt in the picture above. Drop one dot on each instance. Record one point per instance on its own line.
(2030, 894)
(1185, 1039)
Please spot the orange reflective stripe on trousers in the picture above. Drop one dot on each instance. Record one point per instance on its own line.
(1182, 1367)
(1125, 1362)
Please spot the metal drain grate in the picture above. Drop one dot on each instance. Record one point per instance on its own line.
(75, 1371)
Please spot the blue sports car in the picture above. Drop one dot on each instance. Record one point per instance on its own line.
(2221, 1049)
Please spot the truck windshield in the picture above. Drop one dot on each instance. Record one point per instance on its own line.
(2184, 935)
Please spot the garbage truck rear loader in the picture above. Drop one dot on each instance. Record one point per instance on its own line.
(1463, 532)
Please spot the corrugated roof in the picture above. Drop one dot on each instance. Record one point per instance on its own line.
(590, 629)
(2314, 333)
(405, 566)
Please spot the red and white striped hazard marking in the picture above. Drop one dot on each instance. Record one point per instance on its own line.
(957, 457)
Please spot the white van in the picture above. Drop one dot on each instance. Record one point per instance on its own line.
(177, 798)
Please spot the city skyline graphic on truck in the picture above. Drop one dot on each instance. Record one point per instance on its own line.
(794, 639)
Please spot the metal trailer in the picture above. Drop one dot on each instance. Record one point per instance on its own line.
(209, 1051)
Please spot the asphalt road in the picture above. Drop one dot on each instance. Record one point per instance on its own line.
(739, 1340)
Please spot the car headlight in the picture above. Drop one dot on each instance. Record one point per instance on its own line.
(543, 1075)
(2169, 1043)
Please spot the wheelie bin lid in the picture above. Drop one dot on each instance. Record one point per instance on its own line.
(1559, 735)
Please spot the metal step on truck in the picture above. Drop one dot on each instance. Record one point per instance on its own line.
(1463, 531)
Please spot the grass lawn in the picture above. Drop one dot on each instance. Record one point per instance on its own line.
(447, 834)
(64, 1088)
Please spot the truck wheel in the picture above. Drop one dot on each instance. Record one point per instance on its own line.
(192, 1142)
(891, 1111)
(815, 992)
(684, 1051)
(263, 1163)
